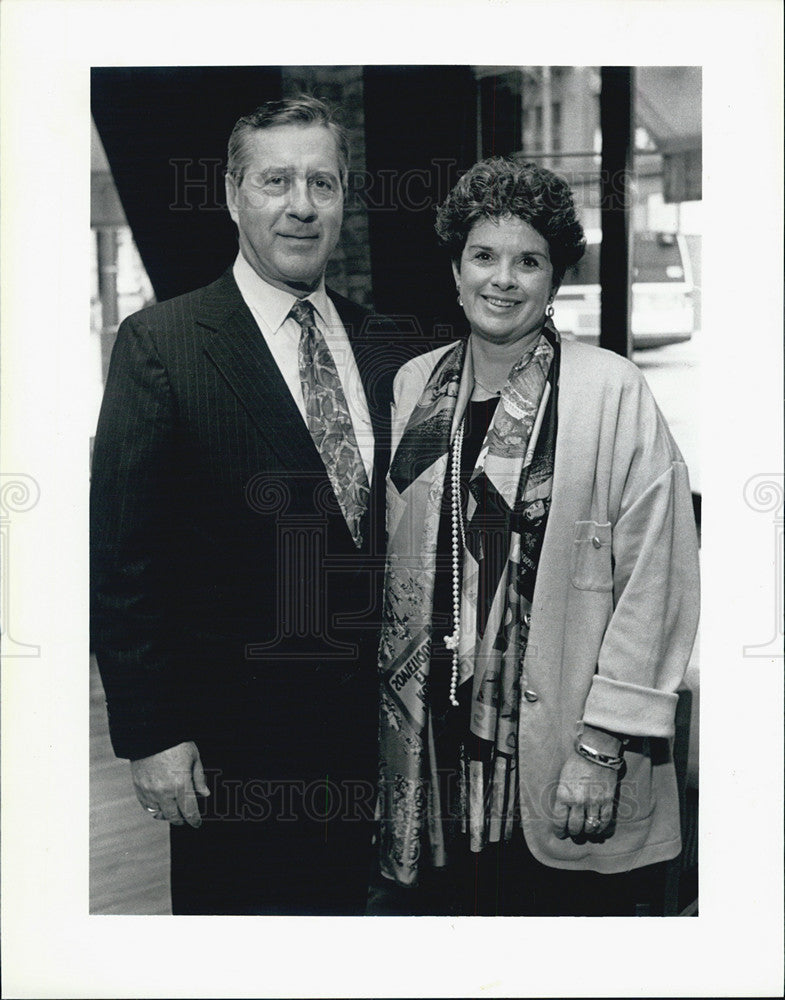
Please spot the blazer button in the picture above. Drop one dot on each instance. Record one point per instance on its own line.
(530, 695)
(596, 542)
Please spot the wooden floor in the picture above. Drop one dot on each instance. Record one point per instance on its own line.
(129, 852)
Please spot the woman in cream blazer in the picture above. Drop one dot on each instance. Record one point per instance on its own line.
(555, 715)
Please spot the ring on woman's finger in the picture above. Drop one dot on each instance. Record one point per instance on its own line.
(592, 821)
(152, 809)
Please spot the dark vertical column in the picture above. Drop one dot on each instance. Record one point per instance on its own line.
(501, 113)
(616, 125)
(420, 133)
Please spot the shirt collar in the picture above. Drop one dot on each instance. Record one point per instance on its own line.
(271, 303)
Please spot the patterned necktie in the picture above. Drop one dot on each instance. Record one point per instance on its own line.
(328, 419)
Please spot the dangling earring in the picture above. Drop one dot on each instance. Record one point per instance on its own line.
(460, 300)
(549, 310)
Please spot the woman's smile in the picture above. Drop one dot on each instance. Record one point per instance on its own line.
(498, 303)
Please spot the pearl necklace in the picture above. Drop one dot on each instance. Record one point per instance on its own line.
(458, 530)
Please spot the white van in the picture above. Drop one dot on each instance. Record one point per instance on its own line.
(662, 292)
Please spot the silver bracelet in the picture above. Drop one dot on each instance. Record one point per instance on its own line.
(601, 759)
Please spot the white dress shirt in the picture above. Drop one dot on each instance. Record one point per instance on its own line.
(270, 307)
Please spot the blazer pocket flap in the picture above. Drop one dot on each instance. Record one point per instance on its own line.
(591, 566)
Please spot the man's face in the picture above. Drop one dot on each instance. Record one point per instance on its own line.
(289, 205)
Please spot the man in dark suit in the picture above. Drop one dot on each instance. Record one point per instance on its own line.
(237, 474)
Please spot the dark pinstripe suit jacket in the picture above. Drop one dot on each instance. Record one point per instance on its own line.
(229, 604)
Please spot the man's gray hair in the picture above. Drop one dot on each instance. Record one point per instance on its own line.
(302, 110)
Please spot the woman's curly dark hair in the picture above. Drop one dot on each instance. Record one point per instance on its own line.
(502, 186)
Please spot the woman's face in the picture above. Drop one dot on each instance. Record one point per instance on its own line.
(505, 279)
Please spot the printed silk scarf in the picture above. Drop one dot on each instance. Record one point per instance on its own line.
(512, 479)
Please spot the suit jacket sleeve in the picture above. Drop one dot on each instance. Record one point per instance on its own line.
(132, 506)
(648, 641)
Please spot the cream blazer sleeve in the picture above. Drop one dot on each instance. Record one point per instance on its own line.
(648, 640)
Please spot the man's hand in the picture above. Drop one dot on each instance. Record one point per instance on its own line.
(168, 782)
(584, 799)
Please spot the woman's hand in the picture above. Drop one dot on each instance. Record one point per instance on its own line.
(584, 798)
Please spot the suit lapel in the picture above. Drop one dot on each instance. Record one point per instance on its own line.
(238, 350)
